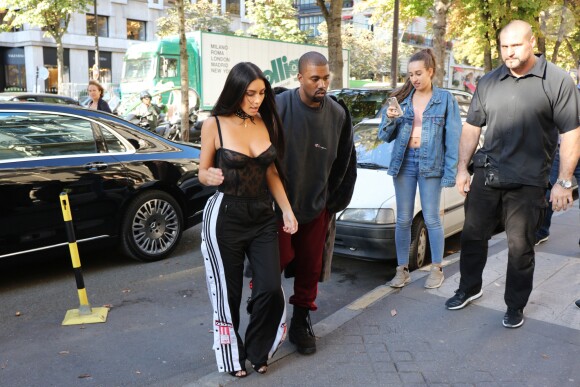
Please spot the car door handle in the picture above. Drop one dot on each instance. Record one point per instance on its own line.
(96, 166)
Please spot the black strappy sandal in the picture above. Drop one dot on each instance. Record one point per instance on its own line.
(260, 368)
(239, 374)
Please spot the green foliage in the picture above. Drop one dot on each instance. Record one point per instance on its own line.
(274, 19)
(370, 53)
(200, 16)
(382, 10)
(472, 21)
(51, 15)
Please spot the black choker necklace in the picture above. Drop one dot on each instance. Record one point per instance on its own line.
(243, 115)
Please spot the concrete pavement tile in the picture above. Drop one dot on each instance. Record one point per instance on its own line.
(375, 347)
(570, 316)
(567, 275)
(383, 365)
(379, 339)
(412, 378)
(344, 339)
(399, 356)
(389, 378)
(407, 366)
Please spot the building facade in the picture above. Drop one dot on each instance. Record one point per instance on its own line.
(120, 23)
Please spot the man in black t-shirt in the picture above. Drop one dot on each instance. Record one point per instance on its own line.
(524, 103)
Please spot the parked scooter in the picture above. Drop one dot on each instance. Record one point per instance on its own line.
(172, 129)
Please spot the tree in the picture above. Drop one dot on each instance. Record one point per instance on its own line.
(440, 10)
(384, 16)
(476, 25)
(53, 16)
(200, 16)
(184, 70)
(333, 18)
(274, 19)
(369, 55)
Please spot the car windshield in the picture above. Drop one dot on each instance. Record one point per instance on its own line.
(362, 103)
(138, 69)
(371, 152)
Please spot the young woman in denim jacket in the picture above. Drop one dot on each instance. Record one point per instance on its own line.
(425, 152)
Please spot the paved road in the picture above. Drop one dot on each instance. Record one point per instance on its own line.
(157, 331)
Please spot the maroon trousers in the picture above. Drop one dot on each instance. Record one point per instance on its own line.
(305, 249)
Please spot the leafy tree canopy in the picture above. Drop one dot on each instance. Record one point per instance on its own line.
(51, 15)
(274, 19)
(200, 16)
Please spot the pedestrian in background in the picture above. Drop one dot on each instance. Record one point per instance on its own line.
(523, 103)
(543, 233)
(148, 111)
(425, 153)
(96, 92)
(242, 146)
(320, 165)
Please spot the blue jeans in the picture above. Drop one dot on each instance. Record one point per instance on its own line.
(430, 193)
(544, 230)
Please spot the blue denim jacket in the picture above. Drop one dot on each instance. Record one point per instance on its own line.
(439, 136)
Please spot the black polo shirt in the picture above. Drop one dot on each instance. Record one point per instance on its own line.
(523, 116)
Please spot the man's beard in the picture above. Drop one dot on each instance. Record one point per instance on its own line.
(317, 97)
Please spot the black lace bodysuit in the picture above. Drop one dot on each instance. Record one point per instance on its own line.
(244, 175)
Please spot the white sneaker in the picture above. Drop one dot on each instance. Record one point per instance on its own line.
(401, 278)
(435, 278)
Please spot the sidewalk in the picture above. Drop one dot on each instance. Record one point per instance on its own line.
(410, 339)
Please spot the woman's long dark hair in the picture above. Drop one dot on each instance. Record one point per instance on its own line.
(426, 56)
(232, 95)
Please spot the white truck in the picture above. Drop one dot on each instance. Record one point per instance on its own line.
(154, 66)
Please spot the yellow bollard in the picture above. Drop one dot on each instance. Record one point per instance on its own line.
(84, 314)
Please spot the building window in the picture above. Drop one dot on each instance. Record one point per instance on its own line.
(105, 61)
(168, 66)
(14, 73)
(347, 3)
(50, 62)
(103, 26)
(136, 30)
(310, 23)
(306, 5)
(233, 7)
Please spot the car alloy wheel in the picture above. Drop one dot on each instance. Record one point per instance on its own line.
(152, 226)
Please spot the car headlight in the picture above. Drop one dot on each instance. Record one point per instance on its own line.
(368, 215)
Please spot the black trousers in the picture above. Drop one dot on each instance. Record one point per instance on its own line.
(522, 210)
(234, 228)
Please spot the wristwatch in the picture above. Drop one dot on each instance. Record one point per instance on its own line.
(567, 184)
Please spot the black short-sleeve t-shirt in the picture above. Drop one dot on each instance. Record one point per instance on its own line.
(523, 117)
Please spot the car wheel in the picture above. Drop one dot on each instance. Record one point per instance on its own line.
(152, 226)
(419, 251)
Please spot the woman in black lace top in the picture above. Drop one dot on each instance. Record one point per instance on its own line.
(241, 147)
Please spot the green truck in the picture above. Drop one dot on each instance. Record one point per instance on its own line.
(154, 66)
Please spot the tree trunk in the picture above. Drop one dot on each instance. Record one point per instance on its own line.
(97, 68)
(541, 41)
(441, 7)
(60, 63)
(487, 62)
(334, 21)
(486, 19)
(184, 69)
(561, 37)
(395, 46)
(575, 55)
